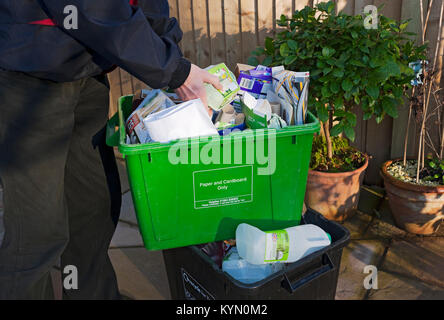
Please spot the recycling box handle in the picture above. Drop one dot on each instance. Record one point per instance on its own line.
(326, 267)
(112, 136)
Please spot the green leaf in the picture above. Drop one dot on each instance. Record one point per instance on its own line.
(339, 102)
(373, 91)
(290, 59)
(258, 52)
(253, 61)
(269, 45)
(403, 26)
(292, 44)
(284, 50)
(354, 35)
(357, 63)
(347, 85)
(326, 70)
(322, 112)
(350, 133)
(327, 52)
(392, 69)
(390, 107)
(338, 73)
(267, 61)
(335, 87)
(339, 113)
(351, 118)
(325, 92)
(336, 130)
(367, 116)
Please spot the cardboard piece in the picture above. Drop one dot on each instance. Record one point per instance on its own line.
(242, 67)
(218, 99)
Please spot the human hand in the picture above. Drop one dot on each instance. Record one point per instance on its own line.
(193, 87)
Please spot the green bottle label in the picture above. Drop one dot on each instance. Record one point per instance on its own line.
(277, 246)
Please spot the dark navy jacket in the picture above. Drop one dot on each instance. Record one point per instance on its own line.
(141, 40)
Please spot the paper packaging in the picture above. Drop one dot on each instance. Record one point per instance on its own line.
(242, 67)
(292, 88)
(255, 118)
(256, 82)
(218, 99)
(155, 100)
(187, 120)
(275, 102)
(139, 96)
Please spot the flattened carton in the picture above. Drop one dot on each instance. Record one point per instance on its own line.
(218, 99)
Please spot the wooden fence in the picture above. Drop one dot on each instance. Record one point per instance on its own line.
(228, 30)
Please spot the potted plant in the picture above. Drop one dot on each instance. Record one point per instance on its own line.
(415, 187)
(350, 66)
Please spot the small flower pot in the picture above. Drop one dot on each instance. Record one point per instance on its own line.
(416, 209)
(335, 195)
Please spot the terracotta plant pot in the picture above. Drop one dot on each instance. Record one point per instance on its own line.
(416, 209)
(335, 195)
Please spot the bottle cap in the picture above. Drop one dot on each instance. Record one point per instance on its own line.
(329, 236)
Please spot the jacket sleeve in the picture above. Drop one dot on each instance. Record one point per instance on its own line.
(158, 15)
(124, 36)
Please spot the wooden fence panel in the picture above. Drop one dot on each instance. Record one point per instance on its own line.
(248, 14)
(233, 38)
(202, 33)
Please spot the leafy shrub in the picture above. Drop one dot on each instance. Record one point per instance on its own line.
(349, 64)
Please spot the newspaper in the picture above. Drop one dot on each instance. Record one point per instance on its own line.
(154, 101)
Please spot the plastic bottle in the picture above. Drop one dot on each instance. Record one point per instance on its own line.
(246, 272)
(289, 245)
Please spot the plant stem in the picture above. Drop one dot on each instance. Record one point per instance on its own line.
(328, 140)
(406, 141)
(419, 157)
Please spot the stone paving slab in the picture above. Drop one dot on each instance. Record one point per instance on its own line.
(140, 273)
(358, 224)
(126, 236)
(355, 257)
(398, 287)
(422, 259)
(127, 213)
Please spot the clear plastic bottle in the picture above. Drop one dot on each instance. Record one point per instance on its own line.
(289, 245)
(246, 272)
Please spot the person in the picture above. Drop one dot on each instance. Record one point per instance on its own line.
(61, 191)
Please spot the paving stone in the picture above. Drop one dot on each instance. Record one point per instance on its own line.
(140, 273)
(357, 224)
(127, 213)
(355, 257)
(423, 259)
(126, 236)
(397, 287)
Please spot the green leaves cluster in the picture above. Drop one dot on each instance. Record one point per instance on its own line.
(433, 171)
(349, 64)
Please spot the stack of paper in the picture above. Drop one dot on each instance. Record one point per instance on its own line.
(187, 120)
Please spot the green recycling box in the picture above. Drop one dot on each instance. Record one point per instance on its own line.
(199, 190)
